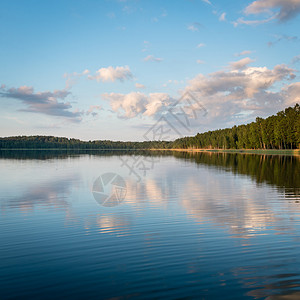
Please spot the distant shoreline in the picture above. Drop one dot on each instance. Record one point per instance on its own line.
(295, 152)
(245, 151)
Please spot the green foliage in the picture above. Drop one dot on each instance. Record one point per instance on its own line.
(52, 142)
(276, 132)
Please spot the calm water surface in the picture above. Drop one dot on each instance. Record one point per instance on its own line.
(203, 226)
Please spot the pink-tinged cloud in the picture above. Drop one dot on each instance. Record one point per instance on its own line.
(241, 64)
(153, 58)
(281, 10)
(245, 52)
(139, 86)
(112, 74)
(136, 103)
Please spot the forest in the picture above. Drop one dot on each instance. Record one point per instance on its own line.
(280, 131)
(52, 142)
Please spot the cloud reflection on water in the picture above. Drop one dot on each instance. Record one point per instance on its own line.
(184, 216)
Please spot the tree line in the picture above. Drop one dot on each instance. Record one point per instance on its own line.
(281, 131)
(52, 142)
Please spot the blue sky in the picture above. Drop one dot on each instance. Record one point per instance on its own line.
(111, 69)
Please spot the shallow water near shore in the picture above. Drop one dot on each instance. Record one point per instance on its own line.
(186, 225)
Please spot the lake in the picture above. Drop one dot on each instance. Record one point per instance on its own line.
(149, 225)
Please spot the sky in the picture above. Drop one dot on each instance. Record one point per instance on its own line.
(114, 69)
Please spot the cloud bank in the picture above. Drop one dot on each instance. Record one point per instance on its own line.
(244, 92)
(43, 102)
(234, 95)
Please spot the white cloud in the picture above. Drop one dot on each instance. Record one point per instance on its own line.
(136, 103)
(112, 74)
(194, 27)
(156, 101)
(252, 22)
(248, 91)
(222, 18)
(201, 45)
(72, 78)
(231, 96)
(200, 62)
(245, 52)
(241, 83)
(207, 1)
(152, 58)
(241, 64)
(281, 10)
(291, 93)
(139, 86)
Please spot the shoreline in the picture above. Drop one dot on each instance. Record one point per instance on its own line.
(295, 152)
